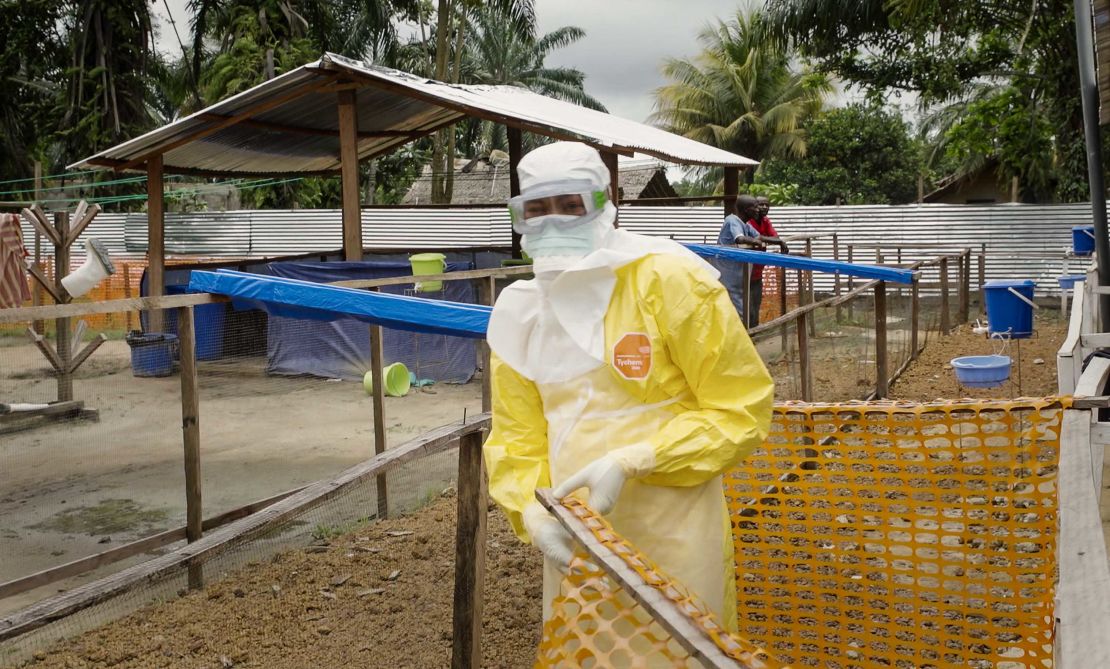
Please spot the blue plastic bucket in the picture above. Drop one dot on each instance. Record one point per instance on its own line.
(1007, 313)
(1068, 282)
(209, 322)
(1083, 240)
(151, 353)
(982, 371)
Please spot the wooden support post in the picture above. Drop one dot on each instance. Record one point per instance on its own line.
(812, 320)
(348, 157)
(899, 286)
(732, 189)
(470, 555)
(945, 321)
(610, 160)
(915, 317)
(851, 285)
(805, 374)
(982, 277)
(62, 336)
(378, 393)
(516, 149)
(836, 276)
(488, 292)
(156, 240)
(36, 289)
(881, 372)
(965, 285)
(190, 431)
(783, 307)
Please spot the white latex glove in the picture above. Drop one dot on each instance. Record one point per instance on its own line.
(549, 535)
(603, 477)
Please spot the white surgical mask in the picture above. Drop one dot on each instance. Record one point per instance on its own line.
(558, 240)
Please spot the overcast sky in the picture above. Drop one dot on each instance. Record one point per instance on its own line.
(626, 41)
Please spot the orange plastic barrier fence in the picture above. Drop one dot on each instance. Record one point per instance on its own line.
(867, 534)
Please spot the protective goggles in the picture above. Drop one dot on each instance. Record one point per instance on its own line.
(564, 205)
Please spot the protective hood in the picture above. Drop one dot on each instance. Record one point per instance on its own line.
(561, 162)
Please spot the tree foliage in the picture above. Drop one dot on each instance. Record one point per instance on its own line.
(998, 78)
(741, 93)
(860, 154)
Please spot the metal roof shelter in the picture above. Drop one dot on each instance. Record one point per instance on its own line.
(323, 117)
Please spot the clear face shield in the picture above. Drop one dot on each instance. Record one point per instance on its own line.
(561, 205)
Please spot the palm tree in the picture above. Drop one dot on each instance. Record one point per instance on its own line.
(503, 51)
(740, 93)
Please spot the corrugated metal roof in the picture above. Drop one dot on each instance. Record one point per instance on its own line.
(290, 124)
(1023, 241)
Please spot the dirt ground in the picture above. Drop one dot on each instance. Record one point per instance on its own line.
(74, 488)
(340, 607)
(336, 605)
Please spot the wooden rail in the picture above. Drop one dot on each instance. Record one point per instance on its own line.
(664, 611)
(42, 613)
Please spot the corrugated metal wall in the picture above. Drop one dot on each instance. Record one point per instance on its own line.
(1023, 241)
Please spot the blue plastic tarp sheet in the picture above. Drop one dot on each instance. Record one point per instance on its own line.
(890, 274)
(322, 330)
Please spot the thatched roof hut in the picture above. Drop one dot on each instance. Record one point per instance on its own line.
(485, 181)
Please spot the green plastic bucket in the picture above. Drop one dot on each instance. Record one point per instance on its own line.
(428, 263)
(396, 377)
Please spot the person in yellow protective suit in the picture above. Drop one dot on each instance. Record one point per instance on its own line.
(622, 369)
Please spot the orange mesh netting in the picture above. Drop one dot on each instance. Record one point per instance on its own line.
(867, 535)
(596, 623)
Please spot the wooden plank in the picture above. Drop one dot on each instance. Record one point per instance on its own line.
(348, 156)
(316, 132)
(811, 295)
(42, 613)
(851, 284)
(1095, 340)
(1091, 402)
(144, 545)
(47, 352)
(784, 338)
(156, 238)
(1082, 608)
(17, 421)
(881, 379)
(963, 283)
(805, 374)
(37, 217)
(470, 555)
(497, 272)
(82, 220)
(81, 357)
(945, 323)
(982, 277)
(662, 610)
(377, 366)
(190, 433)
(21, 314)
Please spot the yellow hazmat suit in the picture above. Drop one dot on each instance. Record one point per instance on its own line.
(679, 398)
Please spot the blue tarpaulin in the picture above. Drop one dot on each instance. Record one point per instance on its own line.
(892, 274)
(322, 330)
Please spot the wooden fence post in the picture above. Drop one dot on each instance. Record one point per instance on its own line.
(836, 276)
(470, 555)
(915, 317)
(982, 277)
(812, 293)
(881, 373)
(488, 294)
(783, 306)
(945, 324)
(851, 285)
(190, 432)
(62, 332)
(965, 285)
(378, 393)
(804, 372)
